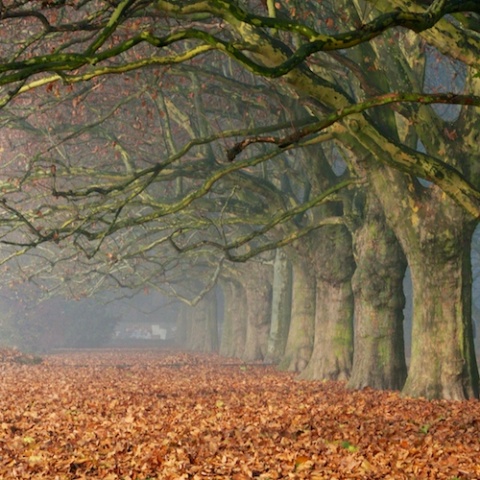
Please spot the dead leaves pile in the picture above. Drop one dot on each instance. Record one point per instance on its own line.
(12, 355)
(152, 415)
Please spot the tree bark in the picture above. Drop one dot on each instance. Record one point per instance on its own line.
(234, 319)
(258, 288)
(202, 327)
(333, 264)
(379, 353)
(302, 325)
(281, 307)
(443, 363)
(435, 234)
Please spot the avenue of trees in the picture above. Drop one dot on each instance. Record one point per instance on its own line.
(295, 155)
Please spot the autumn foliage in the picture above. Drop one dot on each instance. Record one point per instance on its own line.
(168, 415)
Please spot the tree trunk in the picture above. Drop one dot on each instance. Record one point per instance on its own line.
(234, 319)
(379, 353)
(302, 325)
(281, 307)
(443, 363)
(333, 345)
(435, 234)
(258, 289)
(202, 328)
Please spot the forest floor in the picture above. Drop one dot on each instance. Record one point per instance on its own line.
(124, 414)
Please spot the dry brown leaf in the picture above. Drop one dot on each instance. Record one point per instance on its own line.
(162, 415)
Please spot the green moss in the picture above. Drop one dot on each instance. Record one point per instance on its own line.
(384, 352)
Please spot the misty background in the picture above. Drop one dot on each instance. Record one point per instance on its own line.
(127, 318)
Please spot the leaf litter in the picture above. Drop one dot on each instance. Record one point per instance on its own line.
(144, 415)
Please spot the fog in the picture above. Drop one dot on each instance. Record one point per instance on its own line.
(140, 319)
(33, 323)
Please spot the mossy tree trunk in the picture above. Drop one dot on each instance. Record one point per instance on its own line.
(258, 288)
(234, 319)
(443, 363)
(434, 231)
(332, 261)
(379, 353)
(301, 334)
(201, 325)
(281, 307)
(435, 234)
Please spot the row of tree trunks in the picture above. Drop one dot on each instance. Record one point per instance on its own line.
(247, 294)
(329, 290)
(435, 234)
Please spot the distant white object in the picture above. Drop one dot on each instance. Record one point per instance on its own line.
(159, 332)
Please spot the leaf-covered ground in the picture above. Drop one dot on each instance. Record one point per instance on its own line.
(163, 415)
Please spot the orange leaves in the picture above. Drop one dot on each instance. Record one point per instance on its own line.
(451, 134)
(329, 22)
(12, 355)
(153, 415)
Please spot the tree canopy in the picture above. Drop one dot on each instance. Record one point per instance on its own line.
(62, 44)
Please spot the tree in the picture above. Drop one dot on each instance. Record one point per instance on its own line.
(379, 355)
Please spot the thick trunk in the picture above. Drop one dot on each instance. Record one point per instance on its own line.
(443, 363)
(281, 307)
(379, 355)
(302, 325)
(435, 234)
(234, 319)
(333, 345)
(258, 295)
(202, 329)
